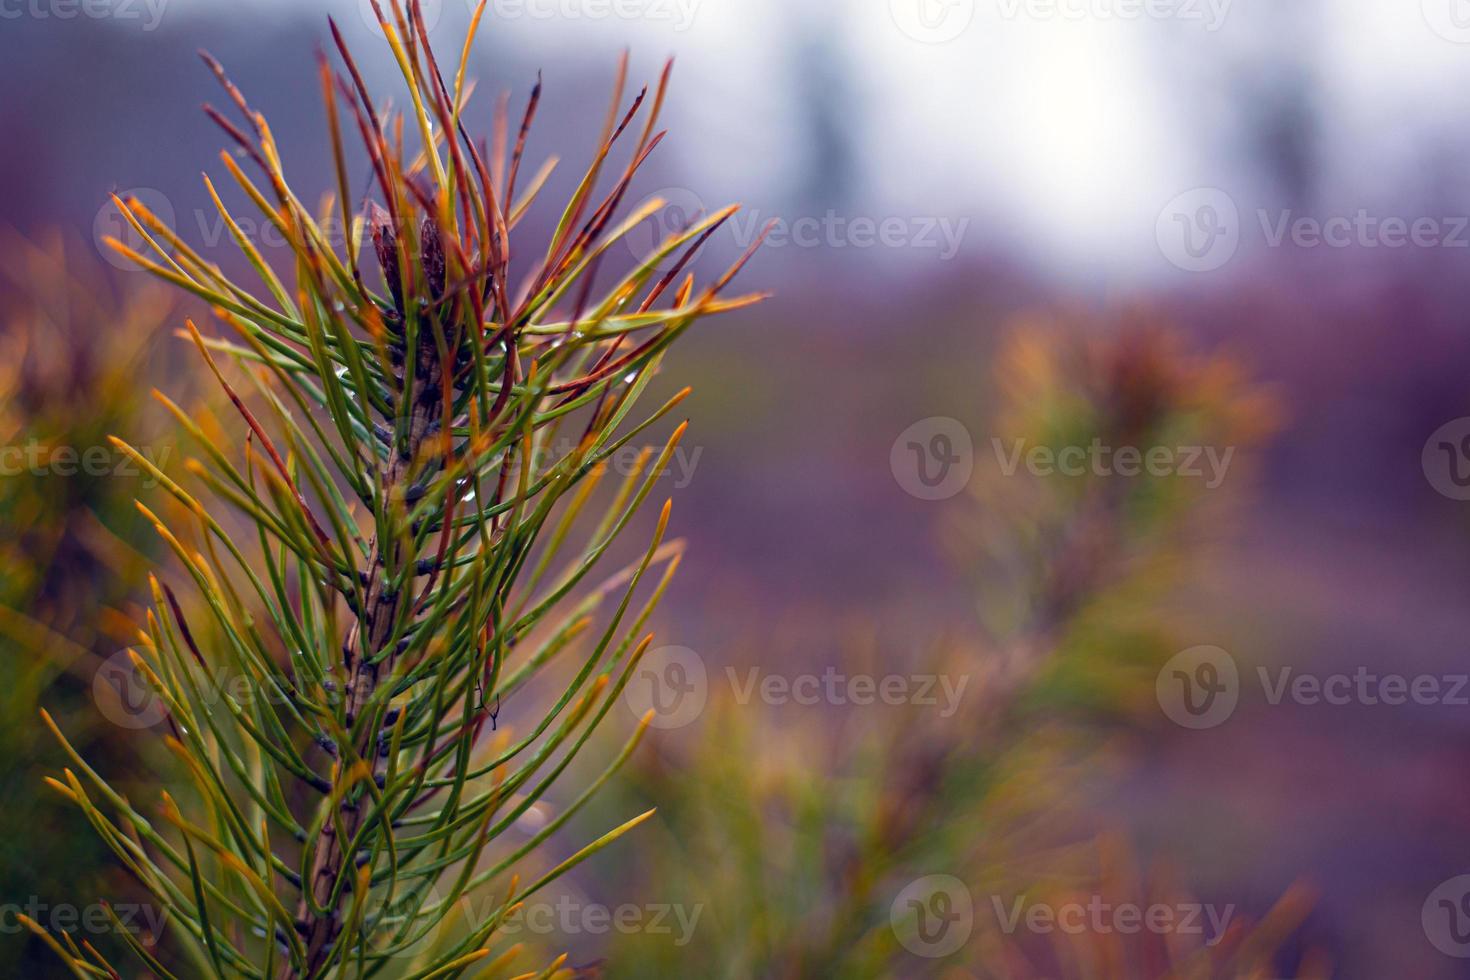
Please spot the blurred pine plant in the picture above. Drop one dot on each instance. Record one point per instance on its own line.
(1076, 576)
(74, 553)
(796, 832)
(414, 468)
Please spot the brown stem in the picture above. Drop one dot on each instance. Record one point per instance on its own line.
(366, 672)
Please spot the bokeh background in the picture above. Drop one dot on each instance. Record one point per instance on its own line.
(1012, 214)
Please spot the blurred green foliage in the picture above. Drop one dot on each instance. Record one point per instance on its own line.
(76, 350)
(795, 832)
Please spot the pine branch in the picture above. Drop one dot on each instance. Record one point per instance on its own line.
(417, 461)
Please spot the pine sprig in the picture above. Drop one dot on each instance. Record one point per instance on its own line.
(415, 464)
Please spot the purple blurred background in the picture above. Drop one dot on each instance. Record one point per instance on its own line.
(941, 166)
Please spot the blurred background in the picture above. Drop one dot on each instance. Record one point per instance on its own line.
(1233, 231)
